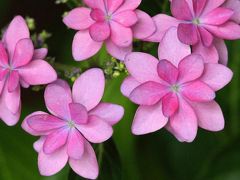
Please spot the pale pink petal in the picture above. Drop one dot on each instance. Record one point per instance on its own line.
(96, 130)
(40, 53)
(211, 5)
(206, 37)
(116, 51)
(229, 30)
(110, 113)
(84, 46)
(183, 124)
(216, 76)
(167, 71)
(44, 124)
(78, 113)
(217, 17)
(188, 33)
(75, 145)
(95, 4)
(38, 72)
(13, 81)
(148, 93)
(37, 145)
(23, 53)
(210, 116)
(235, 6)
(190, 68)
(99, 31)
(128, 85)
(24, 84)
(50, 164)
(113, 5)
(3, 55)
(198, 91)
(198, 6)
(55, 140)
(88, 89)
(57, 99)
(87, 166)
(129, 5)
(126, 18)
(120, 35)
(163, 22)
(142, 66)
(148, 119)
(16, 31)
(209, 54)
(170, 104)
(2, 80)
(172, 49)
(222, 51)
(181, 10)
(78, 18)
(144, 27)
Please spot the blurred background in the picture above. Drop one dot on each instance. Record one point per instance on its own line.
(157, 156)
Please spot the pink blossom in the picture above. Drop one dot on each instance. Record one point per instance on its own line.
(77, 117)
(176, 92)
(19, 65)
(115, 22)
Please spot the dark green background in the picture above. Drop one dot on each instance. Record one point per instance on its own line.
(157, 156)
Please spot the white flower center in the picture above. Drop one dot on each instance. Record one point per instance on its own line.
(196, 21)
(175, 88)
(71, 123)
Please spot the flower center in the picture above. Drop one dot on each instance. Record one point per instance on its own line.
(196, 21)
(71, 124)
(175, 88)
(108, 17)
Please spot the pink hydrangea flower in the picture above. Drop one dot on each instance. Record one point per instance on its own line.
(115, 22)
(20, 64)
(77, 117)
(203, 24)
(176, 92)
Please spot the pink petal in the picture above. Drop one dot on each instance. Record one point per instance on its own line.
(183, 125)
(88, 89)
(210, 116)
(55, 140)
(216, 76)
(38, 72)
(148, 93)
(3, 75)
(40, 53)
(206, 36)
(217, 17)
(209, 54)
(50, 164)
(23, 53)
(99, 31)
(170, 104)
(97, 15)
(37, 145)
(24, 84)
(3, 55)
(172, 49)
(129, 5)
(57, 99)
(235, 6)
(13, 81)
(198, 91)
(95, 4)
(120, 35)
(211, 5)
(128, 85)
(142, 66)
(16, 31)
(79, 113)
(110, 113)
(126, 18)
(75, 146)
(144, 27)
(167, 71)
(44, 124)
(96, 130)
(190, 68)
(113, 5)
(87, 166)
(188, 34)
(26, 126)
(198, 6)
(148, 119)
(229, 30)
(78, 18)
(84, 46)
(116, 51)
(222, 51)
(163, 23)
(181, 10)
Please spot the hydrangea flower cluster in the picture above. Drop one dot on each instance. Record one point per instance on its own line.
(175, 91)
